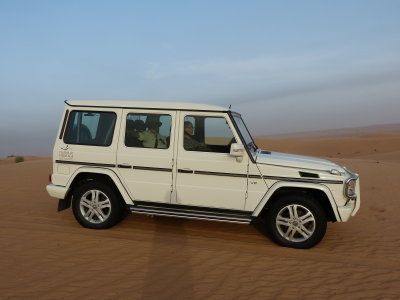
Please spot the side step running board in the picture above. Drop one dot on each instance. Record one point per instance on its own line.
(190, 213)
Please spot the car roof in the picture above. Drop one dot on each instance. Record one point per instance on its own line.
(146, 104)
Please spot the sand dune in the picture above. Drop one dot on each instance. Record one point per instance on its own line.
(47, 255)
(341, 133)
(356, 147)
(10, 160)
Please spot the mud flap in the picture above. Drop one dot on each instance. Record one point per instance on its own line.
(64, 204)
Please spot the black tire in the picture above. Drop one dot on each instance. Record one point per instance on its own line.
(101, 214)
(296, 221)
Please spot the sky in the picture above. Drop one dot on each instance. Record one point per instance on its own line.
(286, 66)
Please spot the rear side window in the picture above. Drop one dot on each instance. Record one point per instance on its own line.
(148, 130)
(90, 128)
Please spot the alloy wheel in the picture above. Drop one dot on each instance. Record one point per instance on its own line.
(295, 223)
(95, 206)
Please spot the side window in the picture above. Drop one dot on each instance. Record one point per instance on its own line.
(148, 130)
(90, 128)
(207, 134)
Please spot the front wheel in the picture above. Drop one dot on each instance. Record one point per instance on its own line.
(96, 205)
(296, 221)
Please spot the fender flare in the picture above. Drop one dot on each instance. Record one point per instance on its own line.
(302, 185)
(110, 173)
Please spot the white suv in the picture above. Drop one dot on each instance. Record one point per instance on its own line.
(193, 161)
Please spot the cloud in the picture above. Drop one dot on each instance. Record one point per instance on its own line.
(273, 77)
(332, 83)
(240, 67)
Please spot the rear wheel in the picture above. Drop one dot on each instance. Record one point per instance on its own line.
(296, 221)
(96, 205)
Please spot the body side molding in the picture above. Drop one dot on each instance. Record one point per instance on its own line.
(302, 179)
(71, 162)
(152, 169)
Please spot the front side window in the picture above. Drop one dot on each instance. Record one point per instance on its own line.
(148, 130)
(207, 133)
(90, 128)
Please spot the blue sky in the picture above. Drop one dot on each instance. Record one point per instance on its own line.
(285, 65)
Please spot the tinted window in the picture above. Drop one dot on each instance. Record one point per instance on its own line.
(148, 130)
(90, 128)
(206, 133)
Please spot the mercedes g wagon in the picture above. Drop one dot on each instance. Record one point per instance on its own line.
(191, 161)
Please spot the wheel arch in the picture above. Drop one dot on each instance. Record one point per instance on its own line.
(107, 176)
(317, 191)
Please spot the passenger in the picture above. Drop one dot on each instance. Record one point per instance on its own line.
(151, 138)
(132, 133)
(190, 143)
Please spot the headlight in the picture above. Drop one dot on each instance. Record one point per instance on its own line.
(350, 185)
(350, 189)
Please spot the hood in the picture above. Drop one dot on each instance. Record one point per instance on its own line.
(297, 161)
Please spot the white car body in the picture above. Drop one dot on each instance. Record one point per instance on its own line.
(243, 180)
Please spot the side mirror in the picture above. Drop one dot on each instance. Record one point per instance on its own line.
(237, 150)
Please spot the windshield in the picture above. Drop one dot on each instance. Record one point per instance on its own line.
(245, 133)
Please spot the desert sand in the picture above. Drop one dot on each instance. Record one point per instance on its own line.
(46, 254)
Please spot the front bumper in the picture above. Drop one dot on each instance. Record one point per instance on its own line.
(352, 206)
(57, 191)
(357, 200)
(346, 211)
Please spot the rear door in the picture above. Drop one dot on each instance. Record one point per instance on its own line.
(145, 153)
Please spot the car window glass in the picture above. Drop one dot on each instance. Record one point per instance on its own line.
(90, 128)
(209, 134)
(145, 130)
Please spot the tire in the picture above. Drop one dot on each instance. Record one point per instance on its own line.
(296, 221)
(96, 205)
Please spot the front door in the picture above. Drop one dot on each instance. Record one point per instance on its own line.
(207, 175)
(145, 154)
